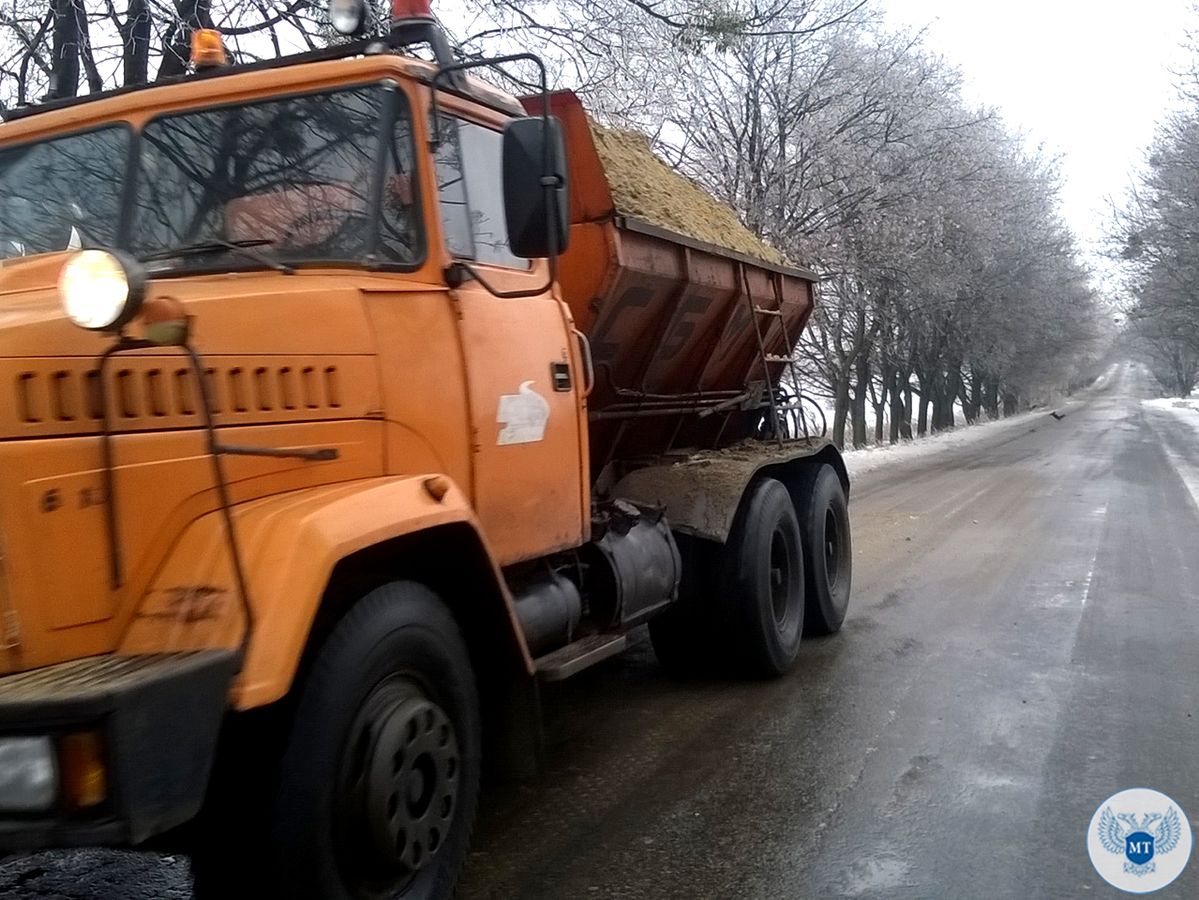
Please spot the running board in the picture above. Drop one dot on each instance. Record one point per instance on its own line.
(574, 658)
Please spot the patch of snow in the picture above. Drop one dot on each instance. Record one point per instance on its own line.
(1172, 403)
(869, 458)
(1183, 410)
(1106, 378)
(876, 873)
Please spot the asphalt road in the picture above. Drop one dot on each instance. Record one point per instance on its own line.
(1021, 645)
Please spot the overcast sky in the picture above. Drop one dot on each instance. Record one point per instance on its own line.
(1086, 79)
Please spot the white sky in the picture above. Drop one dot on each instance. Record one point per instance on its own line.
(1087, 80)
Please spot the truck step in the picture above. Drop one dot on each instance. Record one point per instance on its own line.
(763, 311)
(577, 656)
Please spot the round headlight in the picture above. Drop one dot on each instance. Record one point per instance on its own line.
(347, 16)
(101, 290)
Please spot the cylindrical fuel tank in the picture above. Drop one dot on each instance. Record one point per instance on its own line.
(549, 608)
(634, 569)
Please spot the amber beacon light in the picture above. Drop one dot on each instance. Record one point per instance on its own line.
(208, 50)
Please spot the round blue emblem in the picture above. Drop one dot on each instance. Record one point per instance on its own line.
(1139, 841)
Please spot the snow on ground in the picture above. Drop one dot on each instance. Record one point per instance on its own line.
(870, 458)
(1106, 378)
(1184, 410)
(1180, 405)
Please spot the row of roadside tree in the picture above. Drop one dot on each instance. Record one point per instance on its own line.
(950, 286)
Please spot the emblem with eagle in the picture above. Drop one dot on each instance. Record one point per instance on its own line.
(1140, 841)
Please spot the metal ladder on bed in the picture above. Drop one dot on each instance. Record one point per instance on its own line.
(757, 315)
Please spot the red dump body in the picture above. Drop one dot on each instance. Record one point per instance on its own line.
(671, 330)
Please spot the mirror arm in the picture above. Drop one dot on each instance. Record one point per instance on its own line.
(417, 31)
(453, 72)
(549, 181)
(455, 276)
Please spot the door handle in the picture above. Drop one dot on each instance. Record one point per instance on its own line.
(588, 362)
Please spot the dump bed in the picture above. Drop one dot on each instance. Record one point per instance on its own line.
(672, 333)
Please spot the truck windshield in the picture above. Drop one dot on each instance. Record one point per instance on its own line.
(295, 172)
(62, 193)
(296, 175)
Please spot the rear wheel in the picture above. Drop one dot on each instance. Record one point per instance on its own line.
(378, 782)
(762, 581)
(828, 551)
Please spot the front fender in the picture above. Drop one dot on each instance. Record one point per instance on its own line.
(289, 546)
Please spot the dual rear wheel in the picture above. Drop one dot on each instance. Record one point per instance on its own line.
(784, 572)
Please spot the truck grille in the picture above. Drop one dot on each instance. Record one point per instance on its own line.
(147, 394)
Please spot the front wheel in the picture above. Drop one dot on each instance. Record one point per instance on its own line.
(379, 779)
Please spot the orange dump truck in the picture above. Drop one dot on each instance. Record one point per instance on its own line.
(346, 405)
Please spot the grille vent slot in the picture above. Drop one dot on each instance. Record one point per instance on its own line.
(63, 399)
(237, 389)
(262, 389)
(128, 406)
(308, 380)
(185, 400)
(287, 387)
(26, 398)
(154, 393)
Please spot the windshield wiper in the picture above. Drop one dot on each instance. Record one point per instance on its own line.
(216, 245)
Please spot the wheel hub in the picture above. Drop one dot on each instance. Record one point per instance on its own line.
(405, 778)
(832, 548)
(780, 578)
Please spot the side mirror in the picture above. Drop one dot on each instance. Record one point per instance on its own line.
(538, 216)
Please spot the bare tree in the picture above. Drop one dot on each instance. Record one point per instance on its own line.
(1156, 236)
(936, 233)
(949, 285)
(56, 48)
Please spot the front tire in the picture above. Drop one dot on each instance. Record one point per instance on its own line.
(379, 778)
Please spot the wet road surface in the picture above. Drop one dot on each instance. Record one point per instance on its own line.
(1023, 642)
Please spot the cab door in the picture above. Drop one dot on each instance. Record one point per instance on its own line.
(527, 409)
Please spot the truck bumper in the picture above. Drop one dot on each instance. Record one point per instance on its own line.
(154, 721)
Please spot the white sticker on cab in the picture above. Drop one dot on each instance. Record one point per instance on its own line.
(523, 416)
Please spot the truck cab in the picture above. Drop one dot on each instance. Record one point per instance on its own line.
(299, 496)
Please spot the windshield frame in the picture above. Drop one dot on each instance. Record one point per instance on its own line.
(396, 103)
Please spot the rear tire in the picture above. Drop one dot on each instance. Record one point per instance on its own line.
(376, 790)
(762, 581)
(828, 552)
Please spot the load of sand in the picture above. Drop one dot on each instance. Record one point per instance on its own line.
(644, 187)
